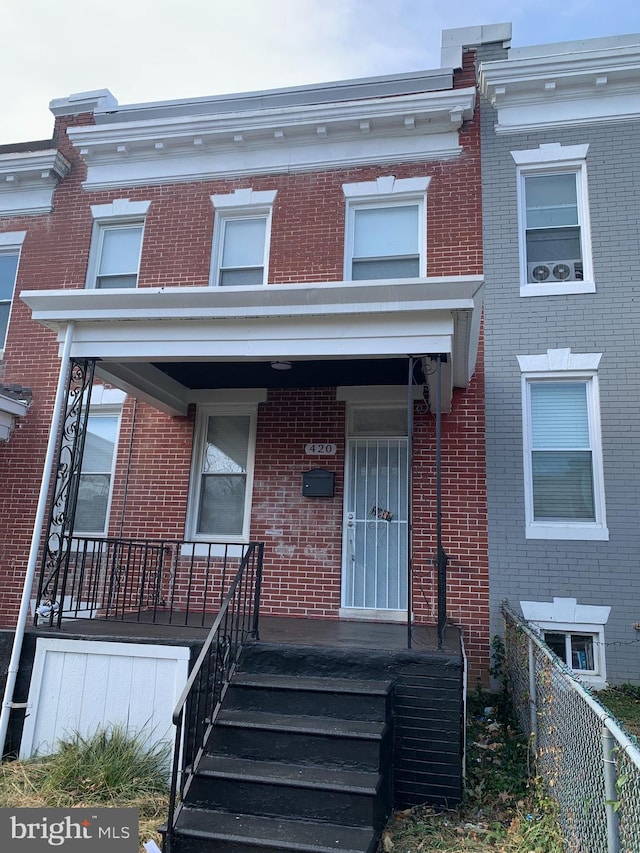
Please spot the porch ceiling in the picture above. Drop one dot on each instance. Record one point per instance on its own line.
(166, 346)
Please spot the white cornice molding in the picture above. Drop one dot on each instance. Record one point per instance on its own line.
(578, 86)
(28, 179)
(405, 128)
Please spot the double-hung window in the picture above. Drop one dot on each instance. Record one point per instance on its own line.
(116, 244)
(10, 245)
(241, 237)
(564, 491)
(555, 246)
(96, 474)
(385, 229)
(222, 474)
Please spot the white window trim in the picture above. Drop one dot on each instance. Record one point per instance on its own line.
(563, 365)
(244, 203)
(104, 404)
(386, 191)
(566, 616)
(119, 213)
(202, 418)
(548, 159)
(10, 242)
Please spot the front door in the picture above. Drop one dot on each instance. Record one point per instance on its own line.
(375, 525)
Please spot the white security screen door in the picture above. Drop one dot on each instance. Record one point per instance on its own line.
(375, 536)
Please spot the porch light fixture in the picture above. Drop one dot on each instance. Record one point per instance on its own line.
(281, 365)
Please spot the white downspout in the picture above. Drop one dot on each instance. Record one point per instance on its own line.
(12, 672)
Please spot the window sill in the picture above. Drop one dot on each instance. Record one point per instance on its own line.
(213, 549)
(371, 615)
(567, 288)
(574, 532)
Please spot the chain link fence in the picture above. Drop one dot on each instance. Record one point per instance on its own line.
(589, 765)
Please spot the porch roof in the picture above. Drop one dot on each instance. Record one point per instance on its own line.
(145, 338)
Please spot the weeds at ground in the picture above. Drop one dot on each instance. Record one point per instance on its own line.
(504, 809)
(109, 768)
(624, 703)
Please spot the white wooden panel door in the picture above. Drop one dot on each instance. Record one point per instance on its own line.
(375, 540)
(79, 686)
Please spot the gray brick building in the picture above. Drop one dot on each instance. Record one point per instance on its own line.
(561, 185)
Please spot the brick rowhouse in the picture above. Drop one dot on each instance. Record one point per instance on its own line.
(303, 538)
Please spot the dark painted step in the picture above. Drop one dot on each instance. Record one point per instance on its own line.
(335, 697)
(205, 831)
(284, 790)
(303, 740)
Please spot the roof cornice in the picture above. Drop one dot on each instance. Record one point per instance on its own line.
(568, 87)
(28, 179)
(401, 128)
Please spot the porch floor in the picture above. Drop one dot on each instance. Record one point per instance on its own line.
(336, 633)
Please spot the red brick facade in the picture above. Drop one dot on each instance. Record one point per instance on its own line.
(303, 538)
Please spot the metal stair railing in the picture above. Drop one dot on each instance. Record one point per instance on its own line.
(199, 703)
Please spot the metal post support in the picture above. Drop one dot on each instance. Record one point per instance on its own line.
(610, 791)
(25, 603)
(441, 558)
(410, 501)
(533, 700)
(62, 511)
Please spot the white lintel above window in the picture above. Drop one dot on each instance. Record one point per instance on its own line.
(241, 237)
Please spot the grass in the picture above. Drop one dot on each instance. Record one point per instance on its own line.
(504, 810)
(624, 703)
(109, 768)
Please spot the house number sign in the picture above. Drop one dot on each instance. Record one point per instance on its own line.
(320, 448)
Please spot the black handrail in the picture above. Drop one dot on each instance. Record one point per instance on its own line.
(198, 705)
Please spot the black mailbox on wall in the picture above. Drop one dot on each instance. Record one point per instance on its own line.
(318, 483)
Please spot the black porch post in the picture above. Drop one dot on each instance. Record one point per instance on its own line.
(62, 510)
(441, 557)
(409, 499)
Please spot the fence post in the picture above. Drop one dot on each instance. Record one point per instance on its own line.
(610, 791)
(533, 700)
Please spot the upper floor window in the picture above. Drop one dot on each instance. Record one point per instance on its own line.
(10, 245)
(116, 244)
(555, 243)
(241, 237)
(385, 229)
(564, 490)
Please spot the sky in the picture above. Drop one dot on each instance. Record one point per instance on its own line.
(150, 50)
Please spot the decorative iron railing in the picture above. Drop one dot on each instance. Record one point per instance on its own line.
(197, 708)
(161, 581)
